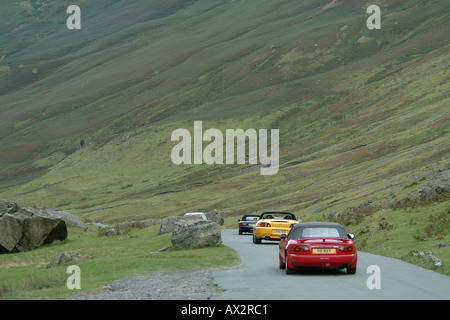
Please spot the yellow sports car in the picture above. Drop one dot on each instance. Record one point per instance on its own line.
(272, 224)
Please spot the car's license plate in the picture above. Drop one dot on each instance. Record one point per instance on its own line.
(280, 231)
(324, 251)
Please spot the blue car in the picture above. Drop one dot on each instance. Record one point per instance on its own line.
(247, 222)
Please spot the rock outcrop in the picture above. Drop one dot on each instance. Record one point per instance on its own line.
(195, 233)
(25, 229)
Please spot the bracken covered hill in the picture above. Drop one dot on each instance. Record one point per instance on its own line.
(363, 114)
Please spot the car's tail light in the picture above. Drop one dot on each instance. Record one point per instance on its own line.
(264, 224)
(301, 249)
(242, 224)
(346, 248)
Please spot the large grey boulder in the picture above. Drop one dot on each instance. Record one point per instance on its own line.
(24, 229)
(195, 233)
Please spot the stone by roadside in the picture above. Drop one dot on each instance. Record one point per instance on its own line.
(427, 256)
(66, 257)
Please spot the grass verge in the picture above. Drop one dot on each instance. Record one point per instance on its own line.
(399, 232)
(25, 275)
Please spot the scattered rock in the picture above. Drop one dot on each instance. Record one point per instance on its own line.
(139, 224)
(106, 288)
(65, 257)
(113, 231)
(195, 233)
(124, 227)
(427, 256)
(25, 229)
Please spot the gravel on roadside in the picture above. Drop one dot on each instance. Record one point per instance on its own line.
(167, 285)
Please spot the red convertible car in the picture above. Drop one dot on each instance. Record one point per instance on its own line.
(317, 244)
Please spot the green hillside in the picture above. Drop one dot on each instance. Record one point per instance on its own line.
(363, 114)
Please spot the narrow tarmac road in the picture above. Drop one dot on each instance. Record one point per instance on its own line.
(259, 277)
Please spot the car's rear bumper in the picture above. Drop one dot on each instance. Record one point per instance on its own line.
(246, 228)
(323, 260)
(270, 234)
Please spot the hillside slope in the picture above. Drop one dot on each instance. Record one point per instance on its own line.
(363, 114)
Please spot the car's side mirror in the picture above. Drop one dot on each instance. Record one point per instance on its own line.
(351, 236)
(282, 236)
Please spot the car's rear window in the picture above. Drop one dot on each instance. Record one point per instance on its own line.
(317, 232)
(285, 216)
(320, 233)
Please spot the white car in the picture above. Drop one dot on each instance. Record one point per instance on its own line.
(195, 215)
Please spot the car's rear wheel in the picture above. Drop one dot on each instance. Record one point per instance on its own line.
(351, 270)
(256, 240)
(240, 231)
(289, 270)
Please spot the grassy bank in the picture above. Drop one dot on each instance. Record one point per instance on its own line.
(397, 233)
(26, 276)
